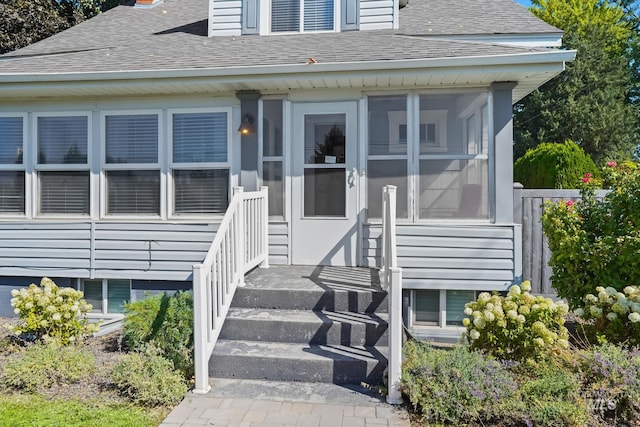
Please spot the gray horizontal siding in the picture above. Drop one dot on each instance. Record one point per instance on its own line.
(376, 14)
(226, 18)
(114, 250)
(479, 257)
(278, 243)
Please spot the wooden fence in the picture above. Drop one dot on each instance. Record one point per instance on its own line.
(528, 208)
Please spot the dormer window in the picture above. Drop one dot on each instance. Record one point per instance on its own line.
(302, 15)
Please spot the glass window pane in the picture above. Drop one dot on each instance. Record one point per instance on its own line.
(324, 192)
(62, 140)
(133, 192)
(318, 15)
(324, 139)
(132, 139)
(272, 128)
(200, 137)
(386, 172)
(201, 191)
(427, 307)
(387, 125)
(456, 301)
(454, 188)
(64, 192)
(285, 15)
(11, 133)
(447, 119)
(272, 178)
(118, 293)
(93, 294)
(12, 192)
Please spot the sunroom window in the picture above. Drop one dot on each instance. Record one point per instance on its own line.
(12, 170)
(272, 155)
(302, 15)
(62, 164)
(132, 169)
(200, 162)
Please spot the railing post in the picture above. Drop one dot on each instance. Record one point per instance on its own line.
(517, 202)
(383, 247)
(200, 333)
(394, 299)
(265, 226)
(241, 245)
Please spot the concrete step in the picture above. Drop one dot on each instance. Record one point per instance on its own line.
(306, 327)
(298, 362)
(318, 299)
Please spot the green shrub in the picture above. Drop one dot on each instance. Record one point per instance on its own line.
(166, 322)
(553, 165)
(50, 313)
(595, 242)
(611, 382)
(455, 386)
(612, 316)
(148, 379)
(40, 366)
(519, 326)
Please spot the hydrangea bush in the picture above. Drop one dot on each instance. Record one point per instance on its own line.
(613, 316)
(519, 326)
(596, 242)
(50, 313)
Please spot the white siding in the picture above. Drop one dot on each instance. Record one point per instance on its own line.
(376, 14)
(225, 18)
(479, 257)
(278, 243)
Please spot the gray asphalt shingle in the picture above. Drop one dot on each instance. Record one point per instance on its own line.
(173, 36)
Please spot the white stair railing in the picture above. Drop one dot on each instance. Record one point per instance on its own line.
(241, 243)
(392, 283)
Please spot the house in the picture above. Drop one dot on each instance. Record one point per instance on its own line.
(120, 142)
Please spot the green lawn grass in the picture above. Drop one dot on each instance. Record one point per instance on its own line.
(35, 411)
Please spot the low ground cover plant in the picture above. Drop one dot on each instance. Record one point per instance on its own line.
(50, 313)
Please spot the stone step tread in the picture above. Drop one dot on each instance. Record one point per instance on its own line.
(300, 352)
(306, 316)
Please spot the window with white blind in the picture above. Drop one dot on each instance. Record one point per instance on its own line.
(131, 164)
(200, 165)
(302, 15)
(12, 169)
(62, 164)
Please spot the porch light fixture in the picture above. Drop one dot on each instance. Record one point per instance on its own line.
(246, 127)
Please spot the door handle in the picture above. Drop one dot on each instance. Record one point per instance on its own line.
(351, 180)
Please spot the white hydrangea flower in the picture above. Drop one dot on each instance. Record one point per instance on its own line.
(521, 318)
(15, 292)
(512, 314)
(515, 290)
(595, 311)
(539, 342)
(563, 343)
(612, 316)
(16, 310)
(611, 290)
(56, 317)
(479, 322)
(591, 298)
(634, 317)
(579, 312)
(474, 334)
(466, 321)
(526, 286)
(468, 311)
(28, 305)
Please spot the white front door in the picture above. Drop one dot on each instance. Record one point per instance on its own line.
(324, 184)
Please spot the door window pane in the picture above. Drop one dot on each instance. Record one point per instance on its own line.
(201, 191)
(11, 134)
(427, 307)
(132, 139)
(272, 128)
(62, 140)
(324, 192)
(454, 188)
(118, 293)
(386, 172)
(133, 192)
(199, 137)
(272, 178)
(12, 192)
(64, 192)
(324, 138)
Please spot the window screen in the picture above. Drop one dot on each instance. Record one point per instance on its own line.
(12, 191)
(11, 134)
(133, 192)
(132, 138)
(201, 191)
(200, 137)
(118, 293)
(64, 192)
(62, 140)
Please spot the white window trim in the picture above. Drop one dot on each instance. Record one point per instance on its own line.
(265, 20)
(105, 167)
(195, 166)
(24, 167)
(34, 185)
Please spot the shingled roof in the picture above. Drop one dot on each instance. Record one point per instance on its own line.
(173, 36)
